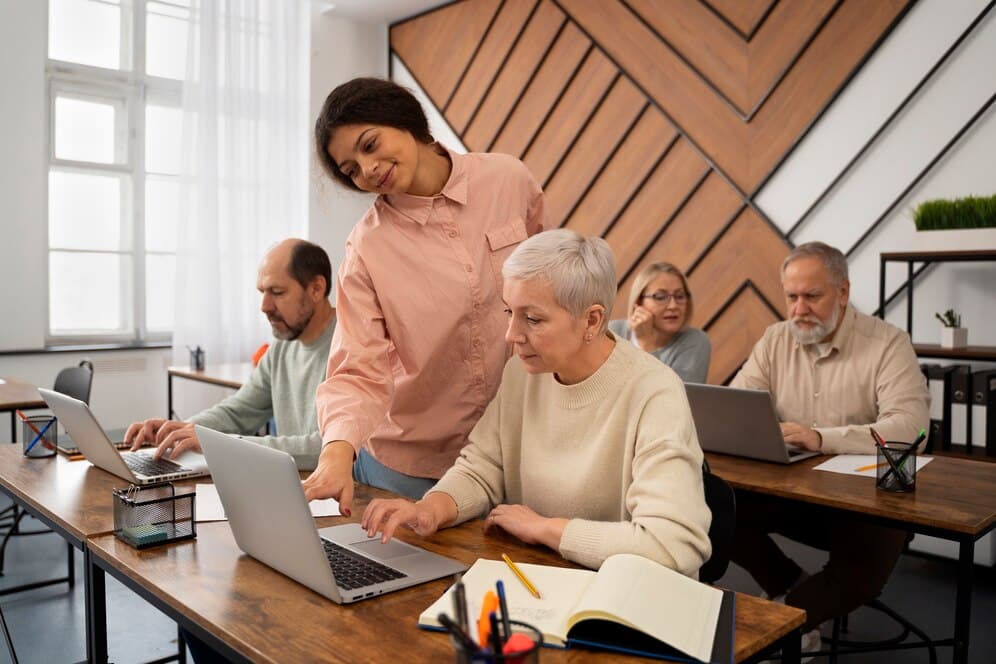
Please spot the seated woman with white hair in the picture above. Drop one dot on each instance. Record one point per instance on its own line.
(589, 446)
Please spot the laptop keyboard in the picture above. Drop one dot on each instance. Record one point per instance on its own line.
(144, 464)
(354, 571)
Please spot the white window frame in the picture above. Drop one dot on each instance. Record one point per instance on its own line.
(135, 89)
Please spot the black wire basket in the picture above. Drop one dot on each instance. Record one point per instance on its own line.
(151, 515)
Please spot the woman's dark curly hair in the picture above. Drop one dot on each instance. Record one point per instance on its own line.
(367, 101)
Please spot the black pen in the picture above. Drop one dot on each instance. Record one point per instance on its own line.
(460, 604)
(466, 642)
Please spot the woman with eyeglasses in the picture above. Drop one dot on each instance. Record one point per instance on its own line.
(660, 307)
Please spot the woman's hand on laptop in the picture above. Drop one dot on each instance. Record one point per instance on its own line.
(800, 436)
(333, 476)
(174, 438)
(425, 517)
(143, 433)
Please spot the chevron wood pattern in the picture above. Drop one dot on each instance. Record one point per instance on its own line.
(652, 123)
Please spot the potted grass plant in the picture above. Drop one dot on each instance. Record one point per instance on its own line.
(959, 213)
(953, 335)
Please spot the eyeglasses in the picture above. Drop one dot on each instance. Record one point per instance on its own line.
(664, 297)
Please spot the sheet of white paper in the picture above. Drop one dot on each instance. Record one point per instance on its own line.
(849, 464)
(209, 505)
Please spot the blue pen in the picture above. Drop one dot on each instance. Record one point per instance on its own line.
(503, 605)
(39, 436)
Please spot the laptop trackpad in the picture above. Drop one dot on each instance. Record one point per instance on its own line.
(374, 549)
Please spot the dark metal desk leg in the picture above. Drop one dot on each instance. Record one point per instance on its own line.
(13, 427)
(169, 396)
(792, 647)
(70, 564)
(96, 612)
(963, 601)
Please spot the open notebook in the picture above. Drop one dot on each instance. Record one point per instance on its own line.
(631, 604)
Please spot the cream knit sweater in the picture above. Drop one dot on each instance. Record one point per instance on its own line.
(616, 454)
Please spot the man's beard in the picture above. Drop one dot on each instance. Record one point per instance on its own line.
(818, 332)
(293, 331)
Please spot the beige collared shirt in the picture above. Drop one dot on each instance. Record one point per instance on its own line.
(419, 345)
(866, 376)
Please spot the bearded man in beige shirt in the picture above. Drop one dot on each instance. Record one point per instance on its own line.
(833, 373)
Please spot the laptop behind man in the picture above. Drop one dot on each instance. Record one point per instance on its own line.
(739, 422)
(261, 492)
(136, 467)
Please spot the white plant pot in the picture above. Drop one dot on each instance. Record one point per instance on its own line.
(954, 337)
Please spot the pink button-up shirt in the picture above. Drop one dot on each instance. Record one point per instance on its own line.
(419, 346)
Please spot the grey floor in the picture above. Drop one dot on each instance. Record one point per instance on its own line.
(47, 624)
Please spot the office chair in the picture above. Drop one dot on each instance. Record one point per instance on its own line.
(722, 503)
(74, 382)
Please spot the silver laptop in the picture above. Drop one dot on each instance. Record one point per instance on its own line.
(136, 467)
(740, 422)
(261, 492)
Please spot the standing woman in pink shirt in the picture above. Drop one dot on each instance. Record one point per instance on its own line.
(419, 347)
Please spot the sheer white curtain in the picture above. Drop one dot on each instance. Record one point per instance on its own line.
(244, 179)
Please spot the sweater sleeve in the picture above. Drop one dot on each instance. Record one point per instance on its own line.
(247, 410)
(669, 519)
(304, 448)
(691, 360)
(476, 479)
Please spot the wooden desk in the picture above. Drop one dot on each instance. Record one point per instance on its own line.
(225, 375)
(73, 498)
(249, 612)
(16, 395)
(954, 500)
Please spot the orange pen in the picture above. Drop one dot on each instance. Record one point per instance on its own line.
(488, 605)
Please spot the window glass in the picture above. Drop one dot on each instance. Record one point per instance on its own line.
(166, 38)
(89, 292)
(85, 211)
(162, 211)
(160, 271)
(86, 31)
(85, 130)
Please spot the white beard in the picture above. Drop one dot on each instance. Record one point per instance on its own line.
(818, 332)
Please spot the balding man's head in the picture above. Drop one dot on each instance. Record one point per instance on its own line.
(294, 276)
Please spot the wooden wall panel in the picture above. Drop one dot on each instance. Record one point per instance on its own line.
(624, 176)
(427, 46)
(570, 114)
(607, 128)
(523, 61)
(653, 123)
(482, 70)
(551, 80)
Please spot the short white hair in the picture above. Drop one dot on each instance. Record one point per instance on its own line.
(832, 258)
(581, 270)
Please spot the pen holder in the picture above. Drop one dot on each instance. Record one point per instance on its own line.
(196, 358)
(896, 468)
(529, 636)
(40, 435)
(153, 515)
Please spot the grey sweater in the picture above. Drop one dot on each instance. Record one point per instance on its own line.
(687, 353)
(283, 387)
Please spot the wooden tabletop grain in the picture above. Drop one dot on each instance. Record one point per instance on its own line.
(953, 496)
(226, 375)
(17, 394)
(267, 617)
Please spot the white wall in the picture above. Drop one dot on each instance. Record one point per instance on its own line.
(341, 49)
(23, 238)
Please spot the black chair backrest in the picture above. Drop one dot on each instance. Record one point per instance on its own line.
(75, 382)
(723, 504)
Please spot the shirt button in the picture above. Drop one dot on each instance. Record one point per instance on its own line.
(477, 342)
(452, 233)
(816, 394)
(468, 268)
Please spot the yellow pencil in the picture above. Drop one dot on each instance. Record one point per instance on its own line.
(522, 577)
(874, 465)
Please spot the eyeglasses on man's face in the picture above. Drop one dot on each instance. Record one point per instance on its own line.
(663, 297)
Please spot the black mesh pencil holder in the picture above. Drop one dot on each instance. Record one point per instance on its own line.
(152, 515)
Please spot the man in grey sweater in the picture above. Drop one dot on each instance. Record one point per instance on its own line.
(294, 280)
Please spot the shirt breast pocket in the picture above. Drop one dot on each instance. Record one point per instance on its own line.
(502, 241)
